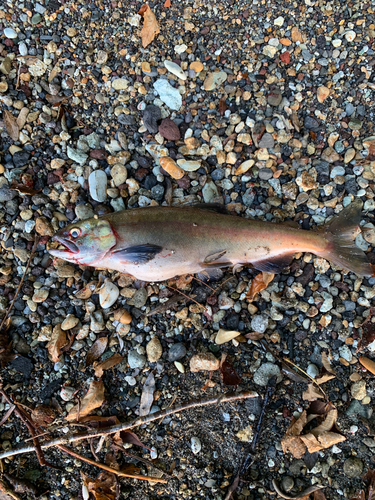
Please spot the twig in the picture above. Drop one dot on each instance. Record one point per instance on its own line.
(27, 421)
(301, 495)
(4, 488)
(250, 456)
(224, 398)
(109, 469)
(7, 414)
(187, 297)
(36, 241)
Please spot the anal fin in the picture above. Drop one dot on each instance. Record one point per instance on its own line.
(274, 264)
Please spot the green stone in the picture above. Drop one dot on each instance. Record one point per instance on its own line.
(36, 19)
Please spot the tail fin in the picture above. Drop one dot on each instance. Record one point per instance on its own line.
(342, 249)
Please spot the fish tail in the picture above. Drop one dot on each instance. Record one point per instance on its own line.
(341, 249)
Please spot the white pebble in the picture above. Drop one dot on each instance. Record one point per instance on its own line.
(196, 445)
(108, 294)
(98, 185)
(10, 33)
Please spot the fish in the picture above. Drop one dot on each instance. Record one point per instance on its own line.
(159, 243)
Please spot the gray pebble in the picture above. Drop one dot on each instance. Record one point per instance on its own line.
(136, 360)
(265, 174)
(259, 323)
(7, 194)
(139, 298)
(176, 352)
(353, 467)
(265, 372)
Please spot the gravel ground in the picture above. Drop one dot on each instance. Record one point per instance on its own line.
(267, 108)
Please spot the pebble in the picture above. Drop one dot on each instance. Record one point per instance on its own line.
(196, 66)
(20, 158)
(196, 445)
(168, 94)
(358, 390)
(10, 33)
(176, 352)
(120, 84)
(224, 336)
(76, 155)
(43, 227)
(22, 47)
(67, 393)
(265, 372)
(96, 321)
(189, 165)
(108, 294)
(312, 370)
(204, 361)
(350, 35)
(322, 93)
(169, 130)
(40, 295)
(214, 80)
(175, 69)
(154, 350)
(98, 185)
(353, 467)
(259, 323)
(151, 115)
(136, 360)
(139, 299)
(210, 192)
(69, 322)
(84, 212)
(171, 167)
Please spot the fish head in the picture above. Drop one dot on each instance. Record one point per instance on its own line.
(85, 242)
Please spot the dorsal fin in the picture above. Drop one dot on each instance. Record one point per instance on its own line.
(214, 207)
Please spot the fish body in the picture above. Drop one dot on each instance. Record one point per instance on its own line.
(158, 243)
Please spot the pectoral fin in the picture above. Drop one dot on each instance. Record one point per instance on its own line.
(274, 264)
(138, 253)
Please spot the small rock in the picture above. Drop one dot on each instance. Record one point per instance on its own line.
(43, 227)
(139, 299)
(120, 84)
(10, 33)
(151, 115)
(136, 360)
(40, 295)
(168, 94)
(171, 167)
(350, 35)
(259, 323)
(176, 352)
(69, 322)
(196, 66)
(210, 192)
(204, 361)
(7, 194)
(196, 445)
(101, 57)
(358, 390)
(322, 93)
(189, 165)
(311, 124)
(224, 336)
(269, 51)
(21, 158)
(312, 370)
(67, 393)
(154, 350)
(119, 174)
(175, 69)
(353, 467)
(274, 98)
(97, 321)
(287, 483)
(267, 141)
(214, 80)
(265, 372)
(108, 294)
(98, 185)
(76, 155)
(169, 130)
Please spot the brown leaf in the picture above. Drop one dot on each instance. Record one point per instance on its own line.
(94, 398)
(96, 350)
(327, 364)
(57, 342)
(150, 25)
(312, 393)
(254, 335)
(103, 487)
(319, 495)
(56, 99)
(106, 364)
(21, 188)
(259, 283)
(101, 422)
(147, 396)
(43, 415)
(367, 335)
(128, 437)
(11, 125)
(21, 118)
(230, 376)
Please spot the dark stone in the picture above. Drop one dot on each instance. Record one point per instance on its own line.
(218, 174)
(20, 158)
(151, 115)
(311, 124)
(169, 130)
(150, 182)
(177, 351)
(7, 194)
(321, 41)
(23, 365)
(232, 321)
(126, 119)
(157, 192)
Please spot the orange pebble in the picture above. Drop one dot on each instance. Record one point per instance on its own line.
(171, 167)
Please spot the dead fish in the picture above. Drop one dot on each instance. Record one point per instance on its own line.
(159, 243)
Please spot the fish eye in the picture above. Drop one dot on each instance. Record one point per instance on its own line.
(75, 232)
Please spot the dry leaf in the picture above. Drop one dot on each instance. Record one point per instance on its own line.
(222, 106)
(21, 118)
(57, 342)
(150, 25)
(21, 188)
(259, 283)
(106, 364)
(101, 488)
(96, 350)
(147, 396)
(230, 376)
(43, 415)
(254, 335)
(327, 364)
(94, 398)
(128, 437)
(11, 125)
(312, 393)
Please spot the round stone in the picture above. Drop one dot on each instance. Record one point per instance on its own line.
(98, 185)
(136, 360)
(10, 33)
(353, 467)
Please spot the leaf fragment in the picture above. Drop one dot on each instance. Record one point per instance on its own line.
(147, 396)
(107, 364)
(259, 283)
(94, 398)
(56, 344)
(230, 376)
(96, 350)
(150, 25)
(11, 125)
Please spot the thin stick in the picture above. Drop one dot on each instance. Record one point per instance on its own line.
(109, 469)
(36, 241)
(7, 415)
(223, 398)
(204, 283)
(186, 296)
(4, 488)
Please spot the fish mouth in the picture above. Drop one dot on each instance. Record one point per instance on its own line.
(69, 246)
